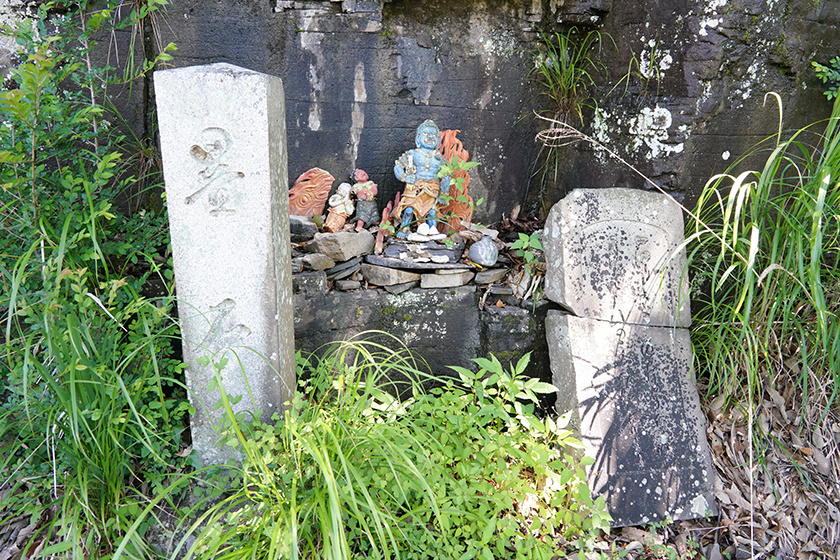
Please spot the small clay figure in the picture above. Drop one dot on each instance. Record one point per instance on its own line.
(365, 191)
(309, 194)
(418, 169)
(341, 206)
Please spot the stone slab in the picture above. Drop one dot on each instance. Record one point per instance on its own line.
(407, 265)
(397, 289)
(343, 245)
(429, 249)
(344, 273)
(384, 276)
(340, 270)
(448, 271)
(348, 285)
(223, 142)
(450, 280)
(490, 275)
(614, 254)
(501, 290)
(632, 393)
(317, 261)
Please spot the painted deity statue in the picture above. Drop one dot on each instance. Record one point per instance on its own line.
(418, 169)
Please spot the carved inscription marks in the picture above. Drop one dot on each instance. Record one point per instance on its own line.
(620, 252)
(224, 331)
(216, 179)
(635, 403)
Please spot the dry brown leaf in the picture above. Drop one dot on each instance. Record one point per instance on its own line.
(763, 422)
(812, 546)
(634, 534)
(713, 553)
(716, 406)
(633, 545)
(803, 534)
(833, 512)
(682, 548)
(736, 498)
(792, 364)
(748, 543)
(776, 397)
(185, 452)
(786, 524)
(823, 465)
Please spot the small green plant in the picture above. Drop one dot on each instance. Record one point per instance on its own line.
(566, 65)
(458, 172)
(829, 74)
(452, 167)
(645, 69)
(526, 247)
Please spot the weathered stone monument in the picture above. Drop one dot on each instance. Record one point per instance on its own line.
(615, 256)
(622, 360)
(223, 139)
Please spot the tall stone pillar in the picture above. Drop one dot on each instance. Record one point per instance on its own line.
(223, 140)
(622, 358)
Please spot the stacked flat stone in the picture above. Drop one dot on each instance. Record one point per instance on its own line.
(622, 358)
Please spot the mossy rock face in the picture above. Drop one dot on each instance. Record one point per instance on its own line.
(445, 327)
(442, 326)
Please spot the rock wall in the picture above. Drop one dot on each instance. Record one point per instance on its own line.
(445, 327)
(361, 75)
(694, 100)
(681, 98)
